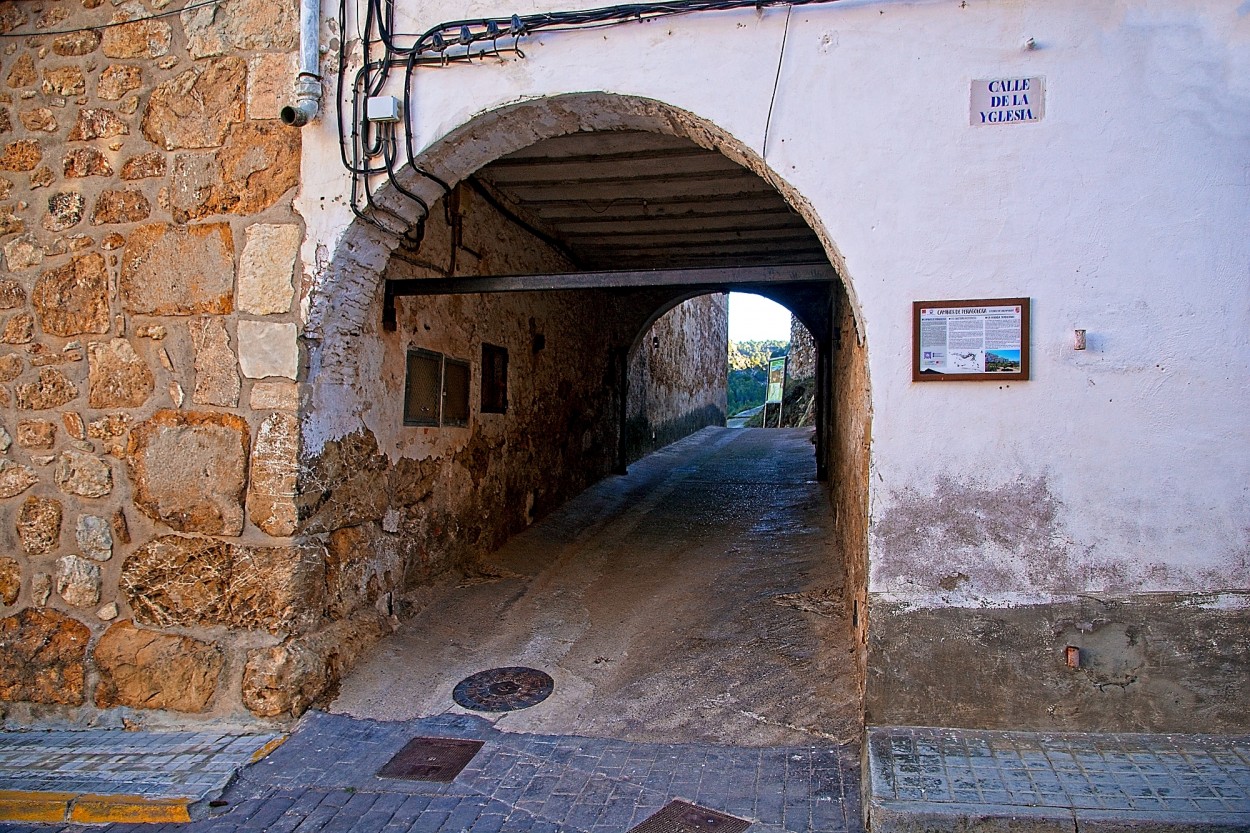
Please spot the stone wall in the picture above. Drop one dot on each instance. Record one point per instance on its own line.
(677, 375)
(850, 449)
(429, 500)
(802, 355)
(148, 358)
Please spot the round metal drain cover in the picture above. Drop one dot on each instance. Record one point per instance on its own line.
(503, 689)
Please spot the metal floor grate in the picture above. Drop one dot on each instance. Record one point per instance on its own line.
(681, 817)
(431, 759)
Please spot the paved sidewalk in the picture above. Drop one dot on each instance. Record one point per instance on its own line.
(103, 775)
(323, 779)
(955, 779)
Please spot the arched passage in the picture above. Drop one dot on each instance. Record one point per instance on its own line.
(519, 258)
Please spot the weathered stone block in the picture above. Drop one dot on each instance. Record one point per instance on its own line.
(189, 470)
(22, 253)
(51, 391)
(178, 581)
(149, 670)
(216, 368)
(274, 396)
(144, 166)
(77, 581)
(116, 375)
(39, 525)
(42, 658)
(117, 80)
(178, 270)
(74, 426)
(361, 565)
(275, 463)
(40, 589)
(175, 580)
(342, 487)
(18, 329)
(94, 536)
(82, 474)
(276, 588)
(196, 109)
(22, 72)
(36, 433)
(266, 268)
(10, 580)
(75, 44)
(39, 120)
(73, 299)
(64, 81)
(10, 223)
(111, 430)
(267, 25)
(268, 350)
(269, 78)
(15, 478)
(22, 155)
(141, 39)
(85, 162)
(286, 679)
(125, 206)
(98, 123)
(257, 165)
(65, 210)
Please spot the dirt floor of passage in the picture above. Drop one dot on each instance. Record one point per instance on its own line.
(698, 599)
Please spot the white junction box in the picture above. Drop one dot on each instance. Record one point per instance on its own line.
(382, 108)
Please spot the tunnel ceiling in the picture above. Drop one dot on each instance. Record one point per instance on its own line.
(635, 200)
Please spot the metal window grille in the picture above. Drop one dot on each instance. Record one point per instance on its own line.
(494, 379)
(455, 392)
(423, 389)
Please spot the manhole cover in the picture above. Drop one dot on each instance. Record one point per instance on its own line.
(680, 817)
(503, 689)
(431, 759)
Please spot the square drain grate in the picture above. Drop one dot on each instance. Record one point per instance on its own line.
(681, 817)
(431, 759)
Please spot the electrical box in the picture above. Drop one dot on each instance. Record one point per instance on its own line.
(382, 108)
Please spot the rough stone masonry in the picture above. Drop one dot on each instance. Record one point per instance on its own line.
(149, 364)
(171, 553)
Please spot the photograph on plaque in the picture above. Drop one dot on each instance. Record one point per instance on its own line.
(976, 340)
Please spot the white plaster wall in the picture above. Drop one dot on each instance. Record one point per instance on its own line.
(1125, 212)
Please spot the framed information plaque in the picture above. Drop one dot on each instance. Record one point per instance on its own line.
(962, 341)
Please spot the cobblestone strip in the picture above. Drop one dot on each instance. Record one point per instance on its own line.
(157, 765)
(324, 779)
(1162, 779)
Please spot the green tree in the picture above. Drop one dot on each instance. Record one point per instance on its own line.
(748, 372)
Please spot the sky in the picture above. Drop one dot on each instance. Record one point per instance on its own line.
(753, 318)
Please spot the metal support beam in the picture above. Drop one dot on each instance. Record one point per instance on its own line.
(711, 278)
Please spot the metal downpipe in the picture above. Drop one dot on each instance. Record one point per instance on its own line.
(308, 82)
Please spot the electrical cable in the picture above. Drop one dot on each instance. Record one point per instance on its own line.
(364, 150)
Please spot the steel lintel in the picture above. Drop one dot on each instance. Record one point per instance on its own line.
(726, 276)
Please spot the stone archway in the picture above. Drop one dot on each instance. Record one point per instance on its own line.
(366, 485)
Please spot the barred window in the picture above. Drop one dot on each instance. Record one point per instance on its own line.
(436, 390)
(494, 379)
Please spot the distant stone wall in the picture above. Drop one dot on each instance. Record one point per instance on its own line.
(148, 358)
(802, 355)
(677, 375)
